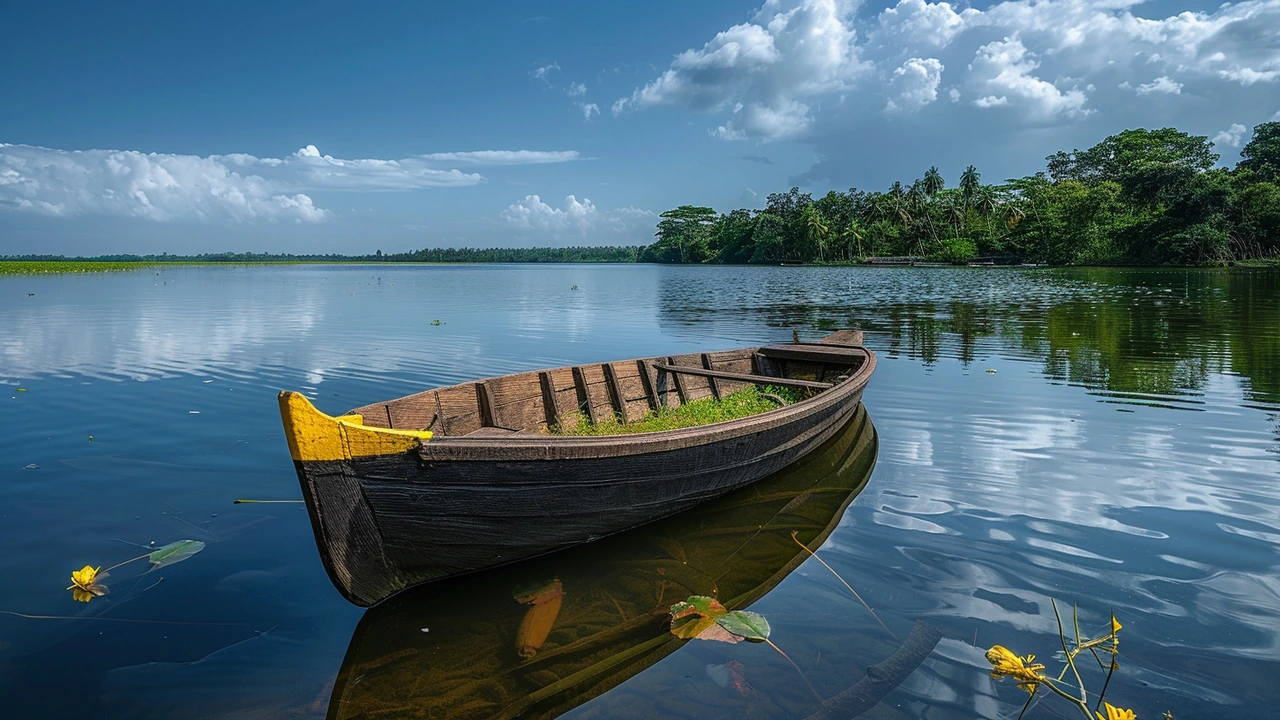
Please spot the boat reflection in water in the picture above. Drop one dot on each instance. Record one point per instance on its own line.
(540, 638)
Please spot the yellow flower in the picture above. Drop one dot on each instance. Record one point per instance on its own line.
(85, 585)
(1115, 713)
(1115, 625)
(1023, 669)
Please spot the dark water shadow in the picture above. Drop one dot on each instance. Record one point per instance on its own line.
(469, 649)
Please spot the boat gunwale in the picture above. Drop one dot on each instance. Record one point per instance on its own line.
(658, 440)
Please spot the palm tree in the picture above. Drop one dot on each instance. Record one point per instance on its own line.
(918, 201)
(855, 233)
(957, 213)
(986, 201)
(817, 230)
(933, 182)
(970, 181)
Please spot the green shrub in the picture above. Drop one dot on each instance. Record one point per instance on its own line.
(956, 251)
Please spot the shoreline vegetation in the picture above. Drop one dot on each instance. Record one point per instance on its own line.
(1137, 198)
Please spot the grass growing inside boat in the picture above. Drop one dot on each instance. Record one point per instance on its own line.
(743, 403)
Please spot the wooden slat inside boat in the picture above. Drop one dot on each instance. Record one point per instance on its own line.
(485, 646)
(460, 478)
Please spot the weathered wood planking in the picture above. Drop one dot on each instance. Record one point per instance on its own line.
(647, 376)
(549, 409)
(749, 379)
(491, 488)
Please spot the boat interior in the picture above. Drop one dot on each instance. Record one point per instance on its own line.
(628, 390)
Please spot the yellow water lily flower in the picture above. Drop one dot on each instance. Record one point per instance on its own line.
(1115, 713)
(84, 577)
(1005, 663)
(1115, 625)
(85, 583)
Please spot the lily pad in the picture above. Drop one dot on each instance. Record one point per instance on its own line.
(174, 552)
(745, 624)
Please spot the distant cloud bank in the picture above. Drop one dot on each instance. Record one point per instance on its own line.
(237, 187)
(575, 217)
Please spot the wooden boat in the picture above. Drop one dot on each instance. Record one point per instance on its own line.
(469, 648)
(461, 478)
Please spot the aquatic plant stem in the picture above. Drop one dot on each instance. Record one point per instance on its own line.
(126, 562)
(1081, 701)
(1031, 696)
(123, 620)
(821, 699)
(1105, 683)
(242, 501)
(846, 584)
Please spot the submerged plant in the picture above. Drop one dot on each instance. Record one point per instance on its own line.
(545, 599)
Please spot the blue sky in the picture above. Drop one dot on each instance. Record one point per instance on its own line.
(327, 127)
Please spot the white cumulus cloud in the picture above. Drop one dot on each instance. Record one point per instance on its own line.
(575, 217)
(1006, 69)
(914, 85)
(236, 187)
(1163, 85)
(767, 71)
(802, 69)
(588, 109)
(1231, 136)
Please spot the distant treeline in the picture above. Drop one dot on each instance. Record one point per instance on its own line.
(609, 254)
(1145, 197)
(1141, 197)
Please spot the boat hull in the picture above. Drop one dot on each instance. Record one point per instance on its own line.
(449, 506)
(613, 619)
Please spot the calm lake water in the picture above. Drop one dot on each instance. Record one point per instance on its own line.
(1107, 438)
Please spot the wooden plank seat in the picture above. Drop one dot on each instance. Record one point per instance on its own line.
(741, 377)
(805, 352)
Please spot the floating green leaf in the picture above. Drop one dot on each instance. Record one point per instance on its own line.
(696, 618)
(174, 552)
(745, 624)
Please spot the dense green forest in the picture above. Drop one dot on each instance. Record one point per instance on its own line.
(1145, 197)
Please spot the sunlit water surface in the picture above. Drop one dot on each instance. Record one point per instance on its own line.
(1101, 437)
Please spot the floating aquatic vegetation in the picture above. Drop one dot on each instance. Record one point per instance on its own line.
(86, 583)
(1030, 678)
(698, 618)
(1115, 713)
(705, 618)
(1023, 669)
(174, 552)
